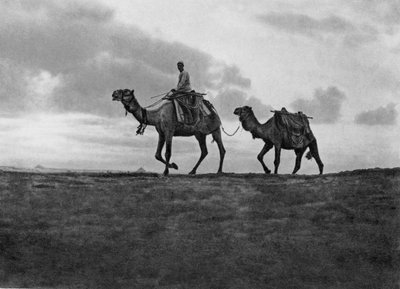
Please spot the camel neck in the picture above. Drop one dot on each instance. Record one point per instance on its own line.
(250, 123)
(138, 112)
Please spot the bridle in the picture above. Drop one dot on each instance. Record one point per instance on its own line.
(127, 102)
(143, 124)
(244, 116)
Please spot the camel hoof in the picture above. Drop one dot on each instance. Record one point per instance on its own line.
(220, 173)
(174, 166)
(267, 172)
(165, 173)
(192, 172)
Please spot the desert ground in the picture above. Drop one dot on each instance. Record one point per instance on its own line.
(141, 230)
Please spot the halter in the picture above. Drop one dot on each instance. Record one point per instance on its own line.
(244, 117)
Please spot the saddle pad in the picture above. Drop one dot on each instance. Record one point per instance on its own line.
(296, 129)
(184, 115)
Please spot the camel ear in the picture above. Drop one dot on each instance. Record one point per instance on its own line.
(132, 91)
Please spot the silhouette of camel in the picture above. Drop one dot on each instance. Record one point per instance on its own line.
(163, 117)
(273, 134)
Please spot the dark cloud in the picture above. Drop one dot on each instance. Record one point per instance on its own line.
(324, 107)
(320, 28)
(93, 55)
(386, 12)
(12, 83)
(299, 23)
(381, 116)
(90, 12)
(227, 100)
(231, 75)
(71, 11)
(366, 35)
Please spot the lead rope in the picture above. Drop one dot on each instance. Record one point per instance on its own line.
(232, 133)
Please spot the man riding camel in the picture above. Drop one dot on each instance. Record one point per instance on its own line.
(183, 85)
(184, 89)
(184, 79)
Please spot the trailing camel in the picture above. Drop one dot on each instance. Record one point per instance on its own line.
(275, 134)
(163, 117)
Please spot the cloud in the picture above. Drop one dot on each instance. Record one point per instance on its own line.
(231, 75)
(385, 12)
(71, 140)
(320, 28)
(380, 116)
(89, 12)
(91, 54)
(303, 24)
(227, 100)
(324, 107)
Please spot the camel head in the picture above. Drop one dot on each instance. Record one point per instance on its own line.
(243, 112)
(123, 95)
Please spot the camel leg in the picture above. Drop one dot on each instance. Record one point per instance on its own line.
(168, 149)
(201, 138)
(277, 158)
(299, 155)
(158, 156)
(314, 152)
(218, 138)
(260, 156)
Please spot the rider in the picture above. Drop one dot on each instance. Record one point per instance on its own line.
(184, 87)
(184, 79)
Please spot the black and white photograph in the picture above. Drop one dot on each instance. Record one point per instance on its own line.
(194, 144)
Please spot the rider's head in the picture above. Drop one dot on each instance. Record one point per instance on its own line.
(180, 65)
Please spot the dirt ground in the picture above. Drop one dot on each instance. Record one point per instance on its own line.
(129, 230)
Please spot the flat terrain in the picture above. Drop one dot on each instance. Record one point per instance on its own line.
(122, 230)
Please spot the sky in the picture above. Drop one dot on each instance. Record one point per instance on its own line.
(337, 61)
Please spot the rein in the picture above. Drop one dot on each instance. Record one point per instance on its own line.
(154, 104)
(161, 94)
(232, 133)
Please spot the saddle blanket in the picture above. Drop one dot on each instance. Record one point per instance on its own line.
(189, 108)
(297, 128)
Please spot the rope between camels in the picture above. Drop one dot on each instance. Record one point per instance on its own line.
(232, 133)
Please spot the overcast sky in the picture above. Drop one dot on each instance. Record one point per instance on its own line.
(337, 61)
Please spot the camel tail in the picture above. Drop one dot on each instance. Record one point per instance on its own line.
(309, 155)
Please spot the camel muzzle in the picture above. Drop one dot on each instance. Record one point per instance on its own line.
(115, 98)
(237, 111)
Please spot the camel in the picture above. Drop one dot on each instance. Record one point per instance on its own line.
(274, 135)
(164, 118)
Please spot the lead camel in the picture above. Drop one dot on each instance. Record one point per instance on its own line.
(164, 118)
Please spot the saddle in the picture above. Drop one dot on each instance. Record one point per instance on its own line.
(190, 107)
(296, 128)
